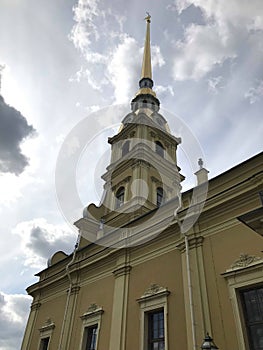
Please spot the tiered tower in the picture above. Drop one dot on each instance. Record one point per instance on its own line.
(143, 172)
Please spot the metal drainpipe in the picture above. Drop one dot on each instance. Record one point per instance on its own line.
(69, 292)
(189, 279)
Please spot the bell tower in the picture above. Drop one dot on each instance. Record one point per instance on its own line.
(143, 172)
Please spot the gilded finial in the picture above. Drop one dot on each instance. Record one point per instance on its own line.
(148, 17)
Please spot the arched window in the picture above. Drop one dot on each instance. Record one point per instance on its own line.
(159, 149)
(120, 197)
(159, 196)
(125, 148)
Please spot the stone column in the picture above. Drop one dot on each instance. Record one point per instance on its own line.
(68, 321)
(200, 305)
(120, 301)
(30, 324)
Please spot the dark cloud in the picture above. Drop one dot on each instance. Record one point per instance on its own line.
(13, 315)
(41, 244)
(13, 130)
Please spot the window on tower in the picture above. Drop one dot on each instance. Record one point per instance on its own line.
(120, 197)
(159, 149)
(159, 196)
(125, 148)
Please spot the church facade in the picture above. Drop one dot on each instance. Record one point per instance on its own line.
(157, 268)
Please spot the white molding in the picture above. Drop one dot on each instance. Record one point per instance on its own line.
(90, 318)
(46, 331)
(239, 277)
(154, 298)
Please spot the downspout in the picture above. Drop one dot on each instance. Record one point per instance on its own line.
(69, 292)
(188, 270)
(190, 291)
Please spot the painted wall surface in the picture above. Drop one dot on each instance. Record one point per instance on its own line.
(117, 279)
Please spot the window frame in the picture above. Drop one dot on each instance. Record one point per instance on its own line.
(248, 324)
(155, 298)
(159, 194)
(89, 319)
(245, 273)
(159, 149)
(46, 331)
(120, 193)
(41, 345)
(150, 328)
(125, 148)
(88, 337)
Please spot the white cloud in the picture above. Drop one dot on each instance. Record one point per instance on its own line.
(205, 46)
(85, 12)
(92, 109)
(202, 49)
(181, 5)
(115, 57)
(93, 26)
(157, 57)
(164, 90)
(95, 57)
(214, 84)
(40, 240)
(13, 187)
(9, 188)
(255, 93)
(122, 67)
(89, 73)
(248, 13)
(14, 309)
(96, 84)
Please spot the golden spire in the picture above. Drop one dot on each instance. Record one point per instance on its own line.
(146, 64)
(146, 97)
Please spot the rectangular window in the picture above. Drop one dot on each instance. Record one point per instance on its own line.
(91, 337)
(156, 337)
(44, 343)
(252, 302)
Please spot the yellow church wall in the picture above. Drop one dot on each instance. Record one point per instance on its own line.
(220, 252)
(165, 271)
(53, 310)
(100, 293)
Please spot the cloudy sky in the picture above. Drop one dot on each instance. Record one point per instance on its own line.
(62, 61)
